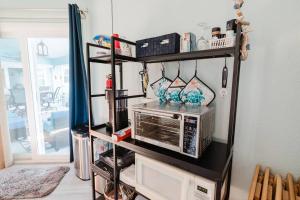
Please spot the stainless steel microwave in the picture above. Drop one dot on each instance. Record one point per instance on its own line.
(182, 128)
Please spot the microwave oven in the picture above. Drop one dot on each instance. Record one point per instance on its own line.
(182, 128)
(160, 181)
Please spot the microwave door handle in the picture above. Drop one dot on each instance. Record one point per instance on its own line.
(165, 115)
(169, 116)
(173, 116)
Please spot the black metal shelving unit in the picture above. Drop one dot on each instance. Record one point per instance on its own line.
(216, 162)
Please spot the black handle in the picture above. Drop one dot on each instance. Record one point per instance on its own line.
(224, 76)
(176, 116)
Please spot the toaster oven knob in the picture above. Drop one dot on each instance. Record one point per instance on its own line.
(176, 116)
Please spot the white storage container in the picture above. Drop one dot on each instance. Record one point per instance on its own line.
(222, 43)
(127, 175)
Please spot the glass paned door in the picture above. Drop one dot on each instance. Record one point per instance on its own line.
(15, 98)
(49, 64)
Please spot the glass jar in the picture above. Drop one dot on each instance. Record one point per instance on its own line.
(203, 37)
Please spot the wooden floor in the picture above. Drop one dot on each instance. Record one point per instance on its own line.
(70, 188)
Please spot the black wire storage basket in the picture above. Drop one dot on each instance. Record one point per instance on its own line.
(161, 45)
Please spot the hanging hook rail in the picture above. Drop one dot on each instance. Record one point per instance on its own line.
(178, 68)
(163, 69)
(196, 67)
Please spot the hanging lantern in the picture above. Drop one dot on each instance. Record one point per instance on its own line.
(42, 49)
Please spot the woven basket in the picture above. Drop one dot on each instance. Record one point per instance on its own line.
(109, 192)
(222, 43)
(124, 192)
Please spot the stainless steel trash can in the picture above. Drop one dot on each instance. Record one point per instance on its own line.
(80, 137)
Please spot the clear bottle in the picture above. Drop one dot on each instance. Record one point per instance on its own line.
(203, 37)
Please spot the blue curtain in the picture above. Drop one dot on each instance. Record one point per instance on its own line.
(78, 78)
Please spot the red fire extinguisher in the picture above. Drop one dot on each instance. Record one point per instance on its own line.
(109, 81)
(117, 43)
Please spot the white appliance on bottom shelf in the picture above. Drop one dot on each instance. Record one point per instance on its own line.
(159, 181)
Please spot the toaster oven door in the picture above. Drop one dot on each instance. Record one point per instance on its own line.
(160, 129)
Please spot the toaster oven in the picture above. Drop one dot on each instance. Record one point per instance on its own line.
(182, 128)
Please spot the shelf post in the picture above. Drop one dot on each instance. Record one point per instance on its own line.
(91, 123)
(227, 195)
(113, 74)
(218, 190)
(114, 124)
(233, 102)
(121, 75)
(144, 69)
(91, 150)
(235, 88)
(92, 174)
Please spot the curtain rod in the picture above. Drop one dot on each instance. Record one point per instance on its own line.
(7, 14)
(82, 11)
(41, 9)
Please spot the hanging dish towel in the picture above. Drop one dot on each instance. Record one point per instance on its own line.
(173, 91)
(196, 92)
(160, 86)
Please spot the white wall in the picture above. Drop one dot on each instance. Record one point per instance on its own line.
(268, 126)
(267, 130)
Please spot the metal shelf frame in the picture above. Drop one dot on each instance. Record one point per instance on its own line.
(205, 166)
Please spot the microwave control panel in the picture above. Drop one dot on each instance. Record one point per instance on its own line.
(190, 135)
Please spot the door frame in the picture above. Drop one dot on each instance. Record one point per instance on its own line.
(5, 138)
(22, 31)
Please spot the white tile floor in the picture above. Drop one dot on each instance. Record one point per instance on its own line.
(70, 188)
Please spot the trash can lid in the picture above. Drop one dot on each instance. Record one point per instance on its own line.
(81, 131)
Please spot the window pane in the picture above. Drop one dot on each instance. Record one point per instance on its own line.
(10, 62)
(49, 64)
